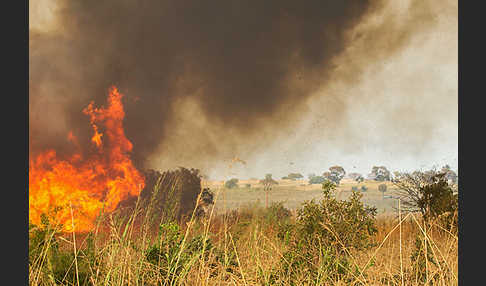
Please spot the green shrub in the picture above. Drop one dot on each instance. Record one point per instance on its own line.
(323, 234)
(165, 251)
(430, 193)
(276, 212)
(351, 221)
(172, 255)
(56, 265)
(421, 255)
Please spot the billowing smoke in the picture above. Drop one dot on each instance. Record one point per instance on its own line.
(235, 74)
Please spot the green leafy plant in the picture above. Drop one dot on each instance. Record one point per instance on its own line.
(324, 233)
(421, 256)
(165, 251)
(50, 261)
(429, 193)
(277, 213)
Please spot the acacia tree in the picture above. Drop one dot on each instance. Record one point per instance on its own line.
(427, 192)
(316, 180)
(356, 176)
(450, 175)
(230, 184)
(338, 172)
(268, 183)
(380, 173)
(328, 176)
(294, 176)
(335, 174)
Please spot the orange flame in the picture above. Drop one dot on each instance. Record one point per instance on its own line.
(86, 185)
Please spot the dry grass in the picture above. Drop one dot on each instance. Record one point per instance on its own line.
(119, 245)
(294, 193)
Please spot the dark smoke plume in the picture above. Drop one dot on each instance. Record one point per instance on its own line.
(242, 62)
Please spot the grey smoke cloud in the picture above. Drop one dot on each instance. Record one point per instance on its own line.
(205, 81)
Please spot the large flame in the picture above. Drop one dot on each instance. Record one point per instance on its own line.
(80, 188)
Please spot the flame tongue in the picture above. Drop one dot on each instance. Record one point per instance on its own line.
(86, 185)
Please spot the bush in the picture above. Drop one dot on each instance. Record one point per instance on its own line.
(430, 193)
(356, 177)
(349, 221)
(317, 180)
(168, 196)
(163, 253)
(294, 176)
(56, 265)
(276, 212)
(323, 232)
(232, 183)
(380, 173)
(422, 254)
(173, 256)
(207, 199)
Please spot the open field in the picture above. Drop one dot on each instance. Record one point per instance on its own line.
(294, 193)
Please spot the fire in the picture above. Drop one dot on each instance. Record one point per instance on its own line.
(86, 185)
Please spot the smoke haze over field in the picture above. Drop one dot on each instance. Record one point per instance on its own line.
(284, 85)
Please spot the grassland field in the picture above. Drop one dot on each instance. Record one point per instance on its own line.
(295, 192)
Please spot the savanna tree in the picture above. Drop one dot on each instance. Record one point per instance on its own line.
(295, 176)
(232, 183)
(450, 175)
(267, 183)
(354, 176)
(335, 174)
(328, 176)
(380, 173)
(427, 192)
(316, 180)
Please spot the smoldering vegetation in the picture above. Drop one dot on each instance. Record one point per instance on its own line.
(172, 195)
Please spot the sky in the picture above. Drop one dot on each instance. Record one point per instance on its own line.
(384, 94)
